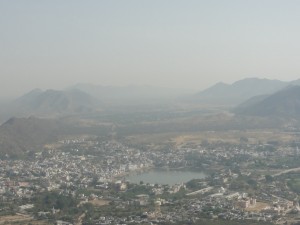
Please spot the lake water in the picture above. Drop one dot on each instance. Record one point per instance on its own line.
(170, 177)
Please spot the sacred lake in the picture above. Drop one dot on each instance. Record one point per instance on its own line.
(162, 176)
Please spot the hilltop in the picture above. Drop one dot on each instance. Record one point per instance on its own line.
(51, 103)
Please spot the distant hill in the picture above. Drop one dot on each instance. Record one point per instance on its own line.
(21, 135)
(52, 103)
(239, 91)
(295, 82)
(284, 103)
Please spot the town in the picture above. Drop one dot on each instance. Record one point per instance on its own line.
(84, 181)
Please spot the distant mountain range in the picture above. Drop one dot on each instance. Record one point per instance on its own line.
(240, 91)
(87, 98)
(84, 98)
(284, 103)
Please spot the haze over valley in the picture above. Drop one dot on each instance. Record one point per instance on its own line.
(126, 111)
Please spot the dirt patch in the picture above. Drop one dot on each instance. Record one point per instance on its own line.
(99, 202)
(12, 219)
(258, 207)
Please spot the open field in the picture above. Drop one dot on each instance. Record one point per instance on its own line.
(234, 137)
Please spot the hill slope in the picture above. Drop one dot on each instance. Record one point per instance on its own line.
(20, 135)
(284, 103)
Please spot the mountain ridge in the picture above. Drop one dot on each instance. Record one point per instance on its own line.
(239, 91)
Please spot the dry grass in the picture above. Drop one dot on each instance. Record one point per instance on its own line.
(21, 219)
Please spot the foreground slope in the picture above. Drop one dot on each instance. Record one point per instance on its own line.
(21, 135)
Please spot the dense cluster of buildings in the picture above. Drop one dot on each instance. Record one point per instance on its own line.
(80, 164)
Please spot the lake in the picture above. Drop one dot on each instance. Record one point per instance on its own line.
(170, 177)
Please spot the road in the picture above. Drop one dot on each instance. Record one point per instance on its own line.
(286, 171)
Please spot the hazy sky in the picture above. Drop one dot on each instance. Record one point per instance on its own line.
(171, 43)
